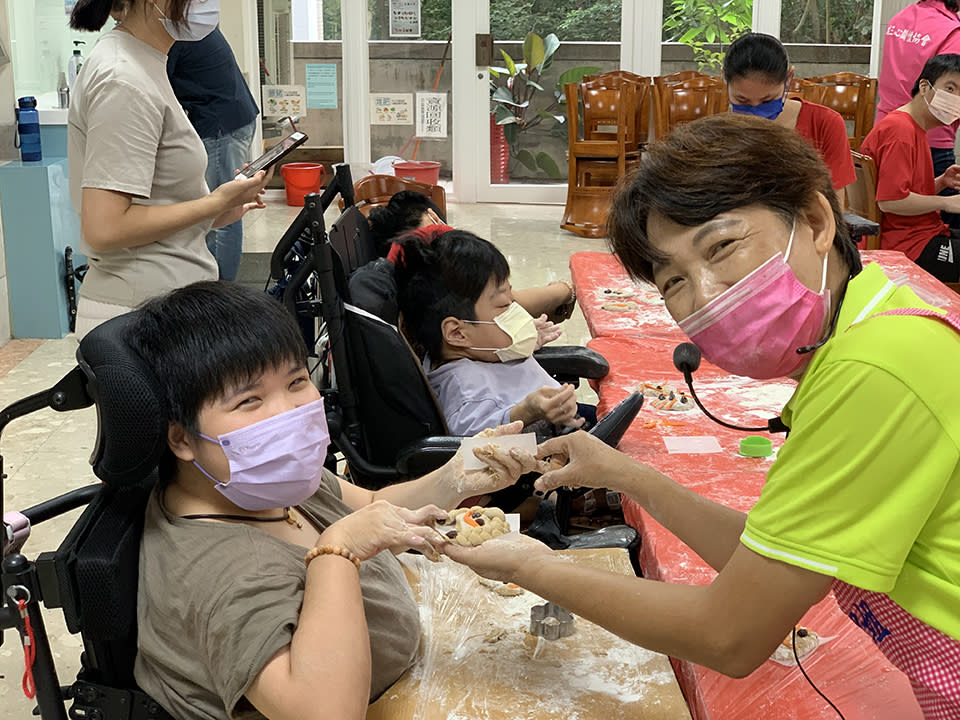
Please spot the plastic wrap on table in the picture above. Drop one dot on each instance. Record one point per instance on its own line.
(478, 661)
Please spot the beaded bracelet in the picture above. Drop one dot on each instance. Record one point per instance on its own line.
(331, 550)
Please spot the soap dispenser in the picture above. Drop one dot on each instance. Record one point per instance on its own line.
(63, 91)
(76, 61)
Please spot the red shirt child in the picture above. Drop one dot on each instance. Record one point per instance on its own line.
(899, 147)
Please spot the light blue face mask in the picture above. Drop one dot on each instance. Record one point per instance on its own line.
(769, 110)
(201, 20)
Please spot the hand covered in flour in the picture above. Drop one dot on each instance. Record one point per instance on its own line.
(382, 526)
(503, 467)
(500, 558)
(582, 460)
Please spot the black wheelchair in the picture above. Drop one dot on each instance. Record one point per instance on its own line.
(92, 576)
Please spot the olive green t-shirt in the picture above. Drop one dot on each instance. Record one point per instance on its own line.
(127, 133)
(217, 600)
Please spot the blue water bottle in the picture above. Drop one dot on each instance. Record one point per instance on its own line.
(28, 129)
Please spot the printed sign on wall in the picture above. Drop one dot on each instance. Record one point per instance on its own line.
(321, 86)
(431, 115)
(282, 100)
(391, 109)
(404, 18)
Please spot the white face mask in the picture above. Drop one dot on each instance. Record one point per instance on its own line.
(518, 324)
(201, 20)
(945, 106)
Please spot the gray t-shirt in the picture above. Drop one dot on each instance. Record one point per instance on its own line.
(218, 599)
(127, 133)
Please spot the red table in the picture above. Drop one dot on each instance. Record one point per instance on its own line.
(639, 345)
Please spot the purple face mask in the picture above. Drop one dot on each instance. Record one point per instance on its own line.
(755, 327)
(275, 462)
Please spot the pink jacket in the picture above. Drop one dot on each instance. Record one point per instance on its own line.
(914, 35)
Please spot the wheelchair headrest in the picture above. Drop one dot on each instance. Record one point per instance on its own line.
(132, 414)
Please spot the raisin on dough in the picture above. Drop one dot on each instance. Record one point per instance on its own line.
(475, 525)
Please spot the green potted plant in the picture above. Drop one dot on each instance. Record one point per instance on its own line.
(519, 100)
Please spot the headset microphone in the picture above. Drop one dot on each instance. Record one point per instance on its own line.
(686, 359)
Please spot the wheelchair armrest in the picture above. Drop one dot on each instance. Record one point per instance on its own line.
(572, 361)
(611, 427)
(427, 454)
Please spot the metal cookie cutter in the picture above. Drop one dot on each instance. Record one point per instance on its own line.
(551, 621)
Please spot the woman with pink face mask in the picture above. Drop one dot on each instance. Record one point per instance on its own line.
(735, 220)
(137, 165)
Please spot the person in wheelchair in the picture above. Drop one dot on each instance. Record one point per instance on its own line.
(409, 211)
(267, 583)
(458, 307)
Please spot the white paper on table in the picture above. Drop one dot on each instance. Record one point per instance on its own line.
(513, 520)
(679, 444)
(524, 441)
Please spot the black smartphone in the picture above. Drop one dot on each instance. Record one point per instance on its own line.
(275, 153)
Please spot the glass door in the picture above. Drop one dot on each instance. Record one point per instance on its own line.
(410, 84)
(517, 114)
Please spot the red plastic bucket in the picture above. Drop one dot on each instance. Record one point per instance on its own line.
(301, 178)
(425, 171)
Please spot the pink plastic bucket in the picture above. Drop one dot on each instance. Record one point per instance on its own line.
(301, 178)
(425, 171)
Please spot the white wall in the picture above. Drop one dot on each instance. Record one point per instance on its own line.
(7, 101)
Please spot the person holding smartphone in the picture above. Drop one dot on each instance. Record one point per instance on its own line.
(137, 164)
(209, 85)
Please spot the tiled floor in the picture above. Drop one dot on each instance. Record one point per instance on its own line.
(46, 453)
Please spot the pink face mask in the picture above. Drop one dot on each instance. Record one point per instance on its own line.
(277, 462)
(755, 327)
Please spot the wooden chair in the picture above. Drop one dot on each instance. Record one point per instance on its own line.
(678, 77)
(687, 100)
(805, 89)
(854, 97)
(613, 128)
(862, 195)
(376, 190)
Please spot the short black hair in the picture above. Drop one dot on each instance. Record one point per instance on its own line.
(444, 279)
(935, 68)
(756, 53)
(208, 337)
(401, 214)
(714, 165)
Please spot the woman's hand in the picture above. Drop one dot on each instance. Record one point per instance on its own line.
(242, 190)
(503, 467)
(547, 332)
(381, 526)
(500, 558)
(582, 460)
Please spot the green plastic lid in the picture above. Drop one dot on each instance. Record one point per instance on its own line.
(756, 446)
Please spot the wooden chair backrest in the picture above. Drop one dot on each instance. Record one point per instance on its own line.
(686, 101)
(674, 78)
(602, 98)
(609, 113)
(852, 95)
(376, 190)
(806, 89)
(862, 194)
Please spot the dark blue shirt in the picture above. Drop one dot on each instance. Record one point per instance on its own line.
(209, 85)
